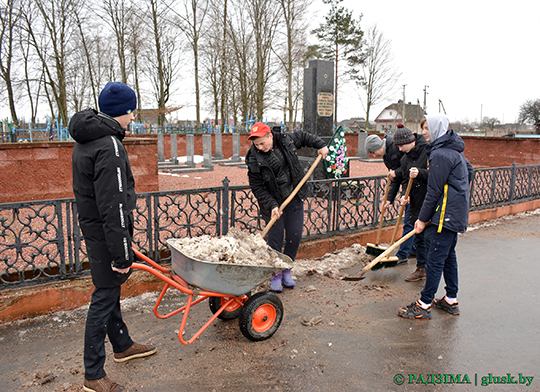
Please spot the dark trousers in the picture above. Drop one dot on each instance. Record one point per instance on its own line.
(422, 241)
(409, 245)
(291, 224)
(104, 319)
(441, 261)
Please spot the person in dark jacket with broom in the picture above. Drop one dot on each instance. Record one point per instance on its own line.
(104, 190)
(413, 165)
(274, 171)
(445, 213)
(391, 155)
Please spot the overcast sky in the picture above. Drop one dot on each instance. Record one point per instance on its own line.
(478, 57)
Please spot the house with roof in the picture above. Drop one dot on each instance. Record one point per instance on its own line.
(405, 113)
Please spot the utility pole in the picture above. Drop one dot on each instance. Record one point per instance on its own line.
(481, 108)
(441, 105)
(425, 94)
(403, 119)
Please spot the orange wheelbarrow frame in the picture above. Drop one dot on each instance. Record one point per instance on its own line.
(266, 313)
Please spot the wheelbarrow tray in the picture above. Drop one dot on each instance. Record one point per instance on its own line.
(231, 279)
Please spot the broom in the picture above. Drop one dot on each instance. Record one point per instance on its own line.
(376, 249)
(378, 259)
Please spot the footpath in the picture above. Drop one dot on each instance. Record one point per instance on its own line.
(355, 341)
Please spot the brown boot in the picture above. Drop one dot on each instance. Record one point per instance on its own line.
(417, 275)
(135, 351)
(104, 384)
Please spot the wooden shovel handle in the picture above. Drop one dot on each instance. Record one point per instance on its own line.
(401, 210)
(383, 210)
(291, 196)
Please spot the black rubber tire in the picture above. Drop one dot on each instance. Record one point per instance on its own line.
(215, 303)
(261, 316)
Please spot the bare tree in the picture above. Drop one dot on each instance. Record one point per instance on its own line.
(193, 26)
(88, 59)
(32, 84)
(117, 16)
(162, 58)
(243, 49)
(54, 44)
(377, 75)
(490, 122)
(9, 16)
(264, 17)
(136, 45)
(293, 13)
(223, 67)
(529, 113)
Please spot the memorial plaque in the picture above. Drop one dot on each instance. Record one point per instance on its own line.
(325, 104)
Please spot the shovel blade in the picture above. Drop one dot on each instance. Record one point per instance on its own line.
(353, 278)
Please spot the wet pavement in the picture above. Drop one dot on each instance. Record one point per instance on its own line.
(360, 344)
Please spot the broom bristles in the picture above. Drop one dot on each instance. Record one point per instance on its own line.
(374, 249)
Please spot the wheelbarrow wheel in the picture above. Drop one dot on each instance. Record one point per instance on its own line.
(261, 316)
(230, 312)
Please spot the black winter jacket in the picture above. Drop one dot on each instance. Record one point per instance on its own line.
(418, 158)
(392, 158)
(392, 155)
(261, 176)
(105, 194)
(447, 199)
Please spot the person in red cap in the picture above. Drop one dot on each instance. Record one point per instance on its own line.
(274, 170)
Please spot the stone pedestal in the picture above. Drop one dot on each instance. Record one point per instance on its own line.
(318, 109)
(362, 153)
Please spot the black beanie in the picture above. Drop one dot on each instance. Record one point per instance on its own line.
(403, 135)
(117, 99)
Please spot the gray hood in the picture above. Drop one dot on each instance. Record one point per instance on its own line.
(437, 126)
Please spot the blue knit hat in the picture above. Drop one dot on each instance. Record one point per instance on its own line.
(117, 99)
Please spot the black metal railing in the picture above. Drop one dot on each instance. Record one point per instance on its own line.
(41, 241)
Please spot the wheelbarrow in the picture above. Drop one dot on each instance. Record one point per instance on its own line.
(228, 290)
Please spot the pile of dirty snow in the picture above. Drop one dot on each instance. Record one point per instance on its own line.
(236, 247)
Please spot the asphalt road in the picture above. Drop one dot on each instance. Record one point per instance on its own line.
(360, 344)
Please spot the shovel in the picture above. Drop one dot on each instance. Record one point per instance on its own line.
(291, 196)
(379, 258)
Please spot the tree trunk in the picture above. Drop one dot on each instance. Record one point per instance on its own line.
(223, 65)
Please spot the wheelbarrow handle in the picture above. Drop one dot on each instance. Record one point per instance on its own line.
(291, 196)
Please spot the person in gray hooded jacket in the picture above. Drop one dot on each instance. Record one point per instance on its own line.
(445, 212)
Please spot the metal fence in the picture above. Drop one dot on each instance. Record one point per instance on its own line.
(41, 241)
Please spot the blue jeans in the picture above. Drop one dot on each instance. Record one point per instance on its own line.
(104, 319)
(409, 245)
(290, 225)
(441, 261)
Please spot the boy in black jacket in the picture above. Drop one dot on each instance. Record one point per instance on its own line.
(413, 165)
(391, 155)
(274, 170)
(105, 194)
